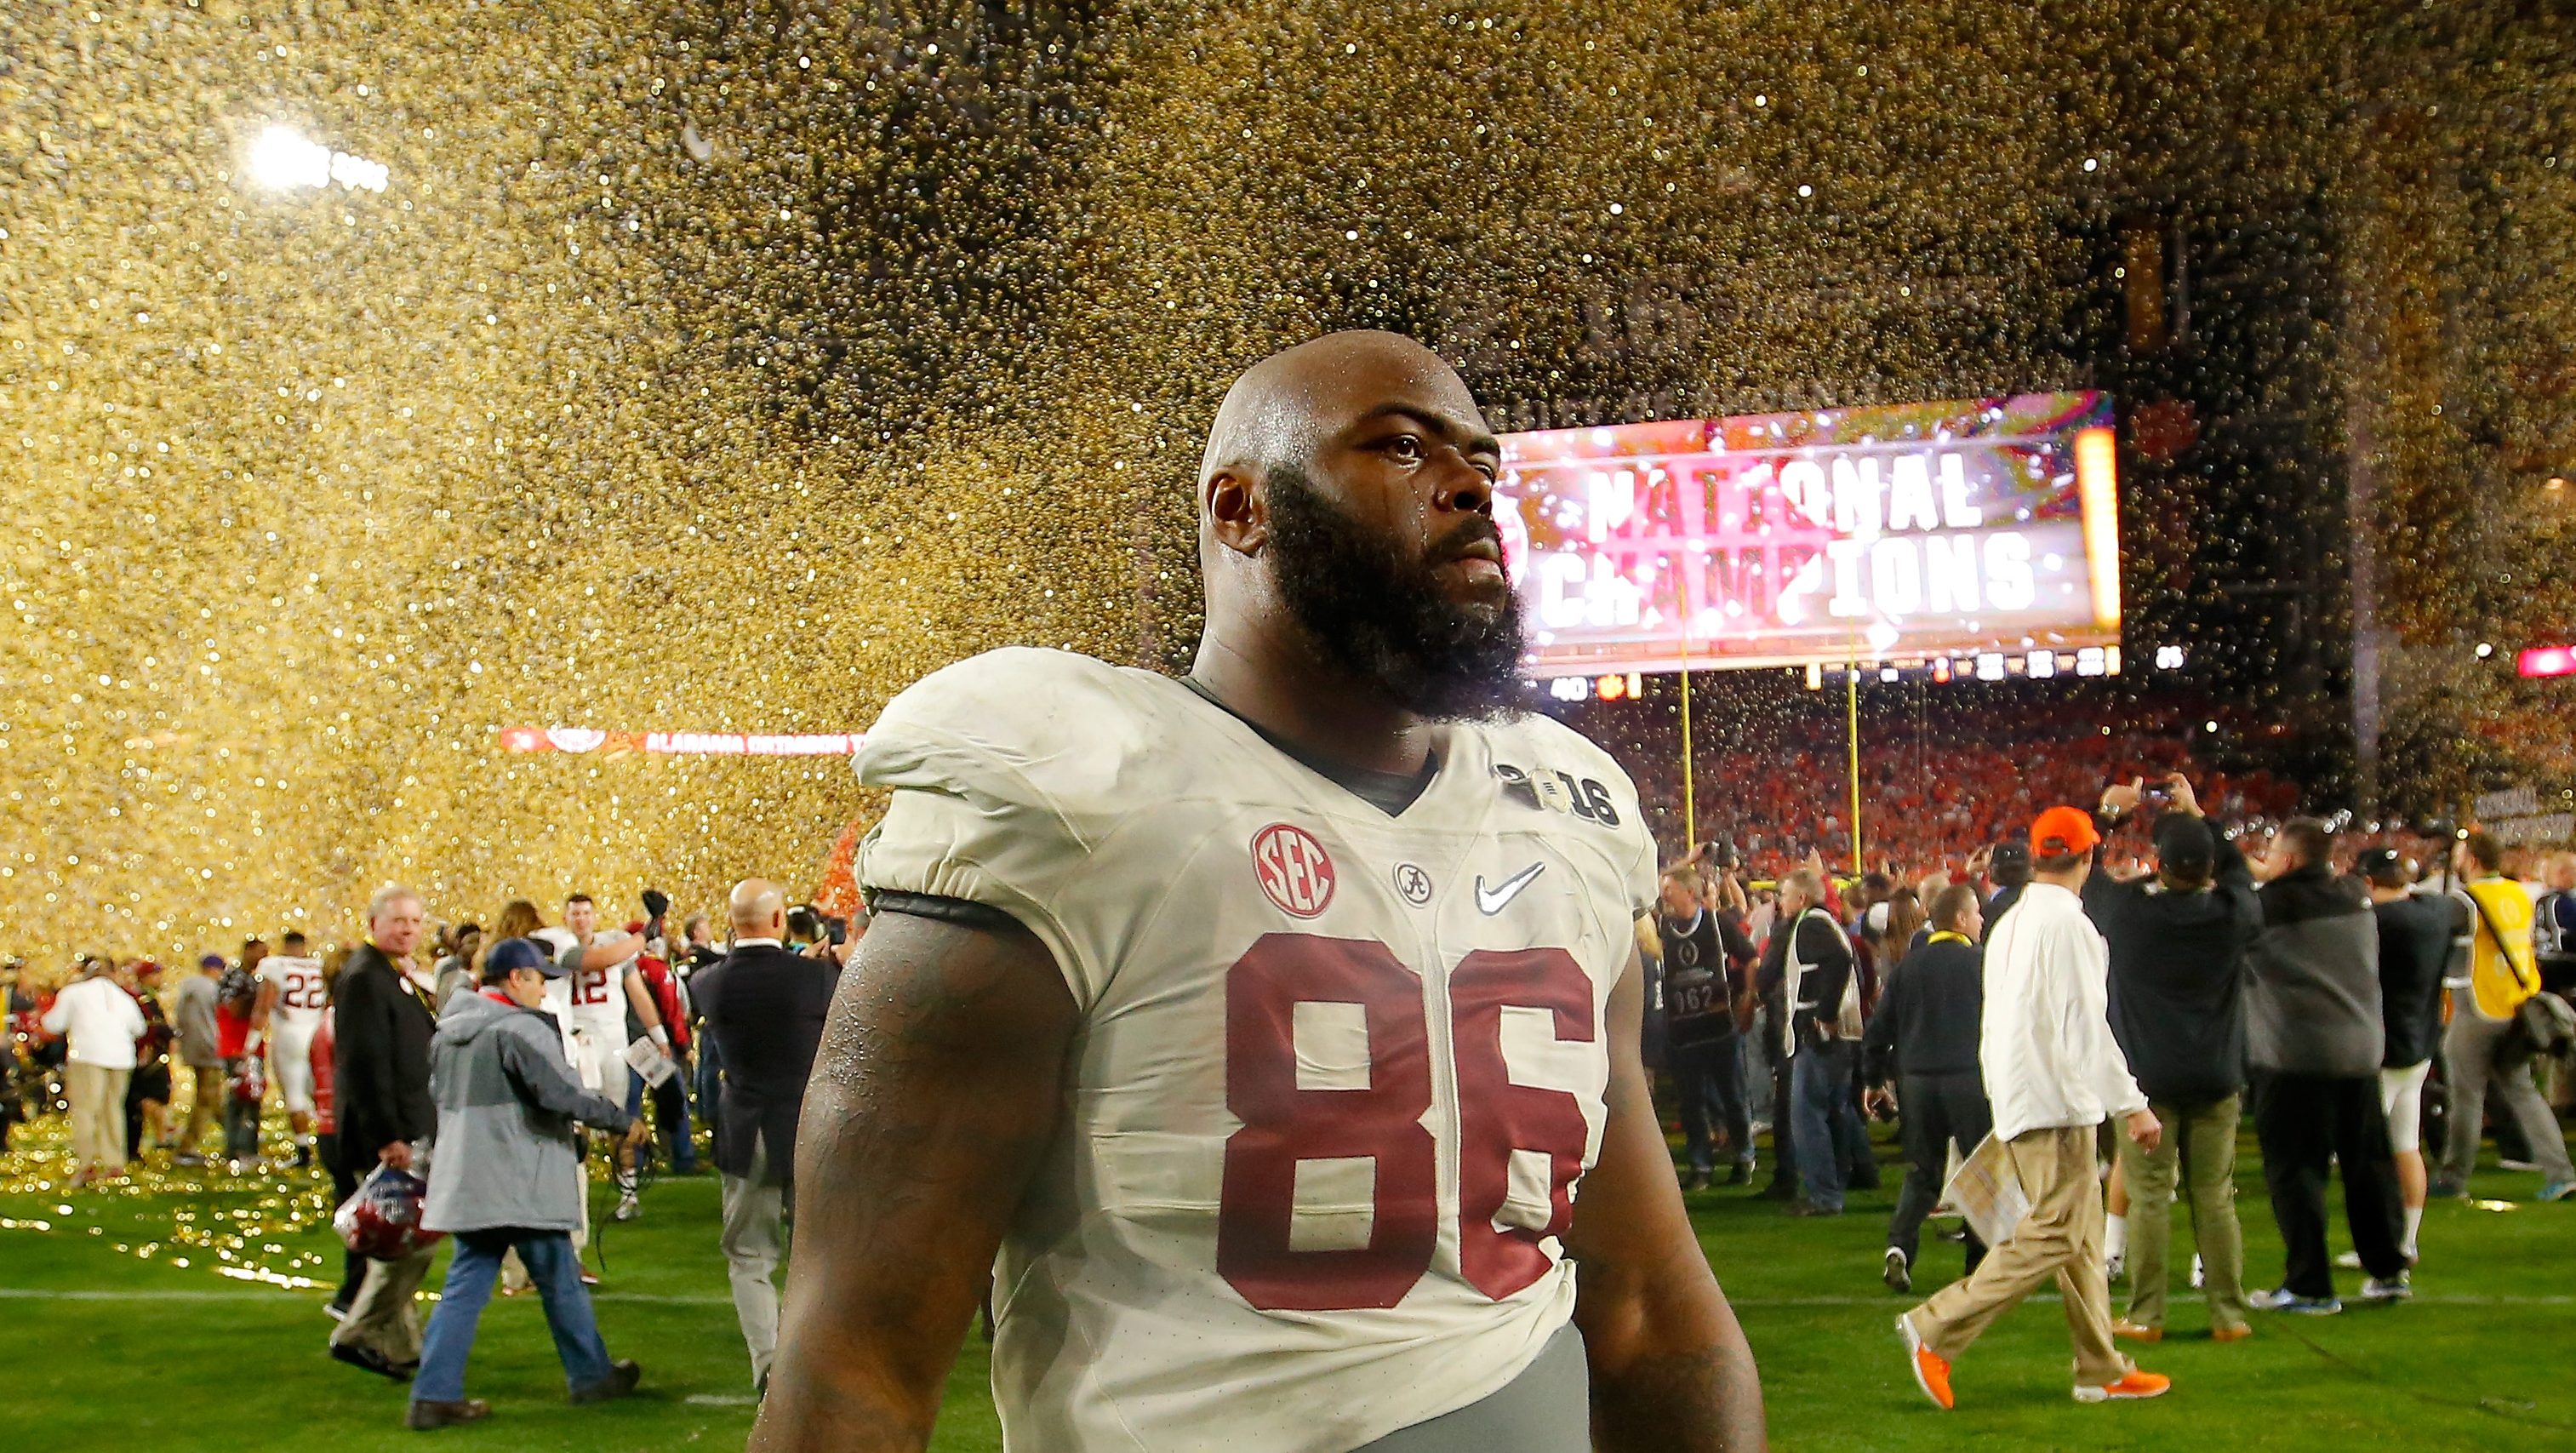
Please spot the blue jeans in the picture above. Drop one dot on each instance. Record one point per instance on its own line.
(710, 1091)
(1820, 1080)
(670, 1115)
(1710, 1079)
(477, 1264)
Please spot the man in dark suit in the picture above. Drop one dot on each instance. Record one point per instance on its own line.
(1924, 1038)
(764, 1007)
(382, 1026)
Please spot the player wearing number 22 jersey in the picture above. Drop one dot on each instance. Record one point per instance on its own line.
(1340, 1070)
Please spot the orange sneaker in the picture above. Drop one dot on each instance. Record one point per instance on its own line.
(1931, 1369)
(2135, 1385)
(2230, 1334)
(2135, 1333)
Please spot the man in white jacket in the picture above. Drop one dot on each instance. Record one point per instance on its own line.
(2053, 1073)
(100, 1022)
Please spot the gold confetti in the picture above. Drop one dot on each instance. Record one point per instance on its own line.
(374, 378)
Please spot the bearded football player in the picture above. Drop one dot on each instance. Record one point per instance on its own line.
(1264, 1042)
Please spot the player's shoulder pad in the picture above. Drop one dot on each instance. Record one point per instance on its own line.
(1016, 723)
(1536, 755)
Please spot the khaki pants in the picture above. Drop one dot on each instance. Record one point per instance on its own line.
(2199, 1145)
(754, 1215)
(204, 1107)
(2061, 1236)
(97, 1094)
(385, 1318)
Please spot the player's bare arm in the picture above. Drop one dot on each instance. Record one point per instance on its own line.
(639, 997)
(601, 953)
(1670, 1368)
(932, 1102)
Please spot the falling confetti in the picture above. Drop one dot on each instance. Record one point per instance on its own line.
(377, 378)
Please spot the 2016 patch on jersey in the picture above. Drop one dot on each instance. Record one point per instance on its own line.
(1555, 791)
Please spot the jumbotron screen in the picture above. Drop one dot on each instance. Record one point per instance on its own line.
(1914, 531)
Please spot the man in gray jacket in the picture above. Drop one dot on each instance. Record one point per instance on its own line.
(503, 1177)
(2313, 1037)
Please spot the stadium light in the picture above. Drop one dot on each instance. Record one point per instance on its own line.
(2542, 661)
(283, 158)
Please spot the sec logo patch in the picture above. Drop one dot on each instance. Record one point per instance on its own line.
(1294, 870)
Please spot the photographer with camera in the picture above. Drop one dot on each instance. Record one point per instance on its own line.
(1706, 991)
(2180, 945)
(502, 1177)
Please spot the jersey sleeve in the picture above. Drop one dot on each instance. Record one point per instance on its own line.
(1005, 772)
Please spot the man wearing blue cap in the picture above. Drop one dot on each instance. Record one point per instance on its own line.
(503, 1177)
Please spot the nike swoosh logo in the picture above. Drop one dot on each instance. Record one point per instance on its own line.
(1491, 900)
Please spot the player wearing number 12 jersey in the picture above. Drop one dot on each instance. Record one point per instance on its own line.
(1276, 1026)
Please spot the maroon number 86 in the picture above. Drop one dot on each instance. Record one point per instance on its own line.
(1283, 1124)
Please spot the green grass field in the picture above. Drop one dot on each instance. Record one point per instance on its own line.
(115, 1343)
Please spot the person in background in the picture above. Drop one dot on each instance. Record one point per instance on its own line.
(99, 1025)
(2414, 944)
(380, 1078)
(237, 1035)
(2481, 1052)
(2179, 942)
(285, 1017)
(765, 1009)
(700, 952)
(456, 971)
(201, 1048)
(326, 1132)
(2009, 868)
(2553, 926)
(671, 1097)
(2314, 1041)
(16, 1009)
(502, 1179)
(2053, 1073)
(1813, 962)
(1924, 1040)
(147, 1095)
(1701, 999)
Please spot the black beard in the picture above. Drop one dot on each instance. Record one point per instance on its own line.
(1381, 616)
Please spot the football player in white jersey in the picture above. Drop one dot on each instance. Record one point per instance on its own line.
(1277, 1027)
(285, 1017)
(592, 1003)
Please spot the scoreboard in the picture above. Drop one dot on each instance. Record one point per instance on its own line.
(1969, 530)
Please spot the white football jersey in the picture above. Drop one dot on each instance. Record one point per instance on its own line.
(301, 997)
(1339, 1072)
(592, 1000)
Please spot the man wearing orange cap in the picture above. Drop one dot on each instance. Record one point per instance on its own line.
(2053, 1072)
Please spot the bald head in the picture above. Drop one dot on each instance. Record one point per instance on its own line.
(1346, 528)
(1283, 406)
(756, 909)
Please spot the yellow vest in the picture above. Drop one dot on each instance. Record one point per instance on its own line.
(2501, 974)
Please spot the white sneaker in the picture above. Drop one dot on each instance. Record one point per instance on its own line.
(2349, 1261)
(628, 1208)
(2115, 1267)
(2395, 1289)
(2199, 1272)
